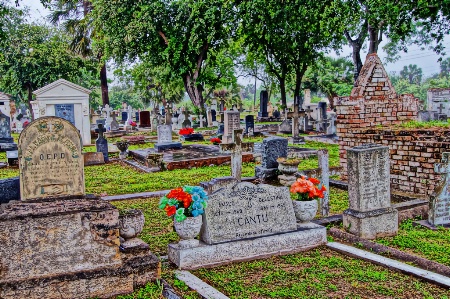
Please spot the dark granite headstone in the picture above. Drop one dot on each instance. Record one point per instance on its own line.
(124, 116)
(65, 111)
(101, 121)
(214, 115)
(276, 114)
(220, 129)
(193, 137)
(249, 123)
(6, 141)
(263, 102)
(144, 119)
(272, 149)
(9, 189)
(101, 143)
(137, 116)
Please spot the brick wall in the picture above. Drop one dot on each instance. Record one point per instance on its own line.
(413, 153)
(366, 117)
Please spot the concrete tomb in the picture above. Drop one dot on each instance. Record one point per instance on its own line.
(244, 221)
(57, 241)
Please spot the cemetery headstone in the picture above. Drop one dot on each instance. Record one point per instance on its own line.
(114, 124)
(6, 141)
(91, 158)
(144, 119)
(231, 122)
(370, 214)
(124, 116)
(9, 190)
(165, 139)
(276, 114)
(50, 160)
(129, 115)
(209, 118)
(285, 127)
(101, 143)
(108, 118)
(136, 116)
(438, 100)
(65, 111)
(186, 122)
(220, 130)
(213, 115)
(13, 158)
(264, 100)
(272, 149)
(249, 123)
(439, 212)
(236, 154)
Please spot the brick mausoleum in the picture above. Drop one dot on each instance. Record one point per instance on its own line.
(368, 116)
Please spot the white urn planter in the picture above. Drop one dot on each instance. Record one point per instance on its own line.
(305, 211)
(131, 224)
(187, 230)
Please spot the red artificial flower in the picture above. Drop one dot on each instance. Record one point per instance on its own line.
(186, 131)
(216, 140)
(170, 210)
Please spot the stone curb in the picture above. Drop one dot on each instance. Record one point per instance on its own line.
(201, 287)
(168, 291)
(135, 195)
(392, 252)
(390, 263)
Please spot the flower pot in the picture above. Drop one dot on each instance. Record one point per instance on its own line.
(288, 168)
(187, 230)
(131, 223)
(305, 211)
(123, 147)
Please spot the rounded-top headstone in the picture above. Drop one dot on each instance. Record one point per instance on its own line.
(50, 160)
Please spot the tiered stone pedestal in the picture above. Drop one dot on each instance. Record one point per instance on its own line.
(371, 224)
(307, 236)
(68, 249)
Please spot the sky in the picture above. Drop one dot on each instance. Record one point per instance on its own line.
(426, 59)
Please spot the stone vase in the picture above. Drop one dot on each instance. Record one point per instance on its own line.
(187, 230)
(123, 147)
(131, 223)
(305, 211)
(288, 168)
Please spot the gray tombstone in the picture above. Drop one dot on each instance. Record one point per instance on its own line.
(114, 124)
(249, 123)
(264, 101)
(263, 210)
(165, 139)
(370, 214)
(213, 115)
(231, 122)
(439, 213)
(101, 144)
(9, 190)
(272, 149)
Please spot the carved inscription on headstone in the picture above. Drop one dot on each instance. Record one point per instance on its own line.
(245, 211)
(440, 200)
(50, 159)
(164, 133)
(231, 122)
(368, 171)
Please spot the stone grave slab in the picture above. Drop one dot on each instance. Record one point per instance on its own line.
(165, 139)
(246, 210)
(9, 190)
(50, 159)
(370, 214)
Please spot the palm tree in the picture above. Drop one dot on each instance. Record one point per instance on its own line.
(76, 21)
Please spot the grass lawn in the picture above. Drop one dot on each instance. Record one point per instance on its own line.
(319, 273)
(417, 240)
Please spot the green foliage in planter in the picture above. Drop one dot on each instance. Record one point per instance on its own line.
(8, 172)
(430, 244)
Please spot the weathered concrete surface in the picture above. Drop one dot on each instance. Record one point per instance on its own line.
(306, 236)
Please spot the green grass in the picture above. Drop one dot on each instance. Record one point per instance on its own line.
(319, 273)
(116, 178)
(152, 290)
(417, 240)
(338, 201)
(424, 125)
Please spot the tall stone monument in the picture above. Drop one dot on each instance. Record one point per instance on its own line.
(370, 214)
(264, 101)
(57, 241)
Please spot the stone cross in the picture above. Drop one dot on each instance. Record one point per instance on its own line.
(209, 117)
(441, 107)
(324, 170)
(168, 116)
(295, 132)
(201, 119)
(108, 111)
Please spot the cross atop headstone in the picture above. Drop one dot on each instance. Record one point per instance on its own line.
(236, 154)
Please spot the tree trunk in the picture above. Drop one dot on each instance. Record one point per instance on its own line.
(283, 92)
(374, 41)
(356, 45)
(194, 92)
(30, 98)
(104, 85)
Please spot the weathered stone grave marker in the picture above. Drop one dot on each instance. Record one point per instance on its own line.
(236, 154)
(50, 160)
(231, 122)
(370, 214)
(165, 138)
(101, 143)
(6, 141)
(272, 149)
(439, 212)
